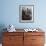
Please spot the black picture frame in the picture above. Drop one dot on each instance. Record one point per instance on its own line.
(26, 13)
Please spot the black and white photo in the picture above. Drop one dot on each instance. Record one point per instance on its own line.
(26, 13)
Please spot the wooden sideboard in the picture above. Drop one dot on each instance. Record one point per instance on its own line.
(23, 39)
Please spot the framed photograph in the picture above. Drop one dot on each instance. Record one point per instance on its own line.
(26, 13)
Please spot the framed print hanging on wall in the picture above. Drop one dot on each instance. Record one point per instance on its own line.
(26, 13)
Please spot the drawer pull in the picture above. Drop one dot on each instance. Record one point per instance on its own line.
(33, 39)
(10, 38)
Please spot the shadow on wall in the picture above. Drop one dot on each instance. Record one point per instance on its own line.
(2, 26)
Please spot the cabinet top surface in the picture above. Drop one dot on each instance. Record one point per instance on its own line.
(22, 30)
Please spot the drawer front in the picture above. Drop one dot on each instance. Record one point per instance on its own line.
(37, 39)
(13, 33)
(8, 45)
(12, 39)
(37, 44)
(34, 33)
(12, 44)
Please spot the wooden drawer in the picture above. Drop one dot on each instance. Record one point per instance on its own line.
(37, 44)
(34, 33)
(37, 39)
(13, 44)
(13, 33)
(33, 40)
(12, 39)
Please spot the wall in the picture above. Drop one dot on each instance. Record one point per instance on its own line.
(9, 13)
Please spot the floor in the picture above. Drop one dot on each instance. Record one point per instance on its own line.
(0, 44)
